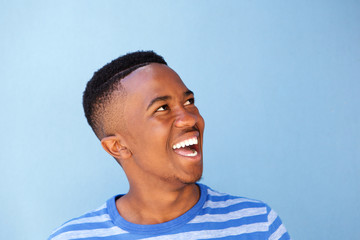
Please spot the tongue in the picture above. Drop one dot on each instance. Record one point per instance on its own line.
(184, 151)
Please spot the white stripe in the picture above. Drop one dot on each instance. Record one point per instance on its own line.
(100, 208)
(209, 234)
(272, 216)
(213, 193)
(229, 202)
(229, 216)
(100, 232)
(75, 221)
(278, 233)
(101, 218)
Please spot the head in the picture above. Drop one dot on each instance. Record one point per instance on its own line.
(146, 119)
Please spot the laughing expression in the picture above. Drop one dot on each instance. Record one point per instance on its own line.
(164, 129)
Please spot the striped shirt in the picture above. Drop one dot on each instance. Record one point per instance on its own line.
(214, 216)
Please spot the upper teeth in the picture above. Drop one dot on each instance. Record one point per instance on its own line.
(187, 142)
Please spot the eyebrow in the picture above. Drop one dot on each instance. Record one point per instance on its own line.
(164, 98)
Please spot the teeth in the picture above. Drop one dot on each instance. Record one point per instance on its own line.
(187, 142)
(192, 154)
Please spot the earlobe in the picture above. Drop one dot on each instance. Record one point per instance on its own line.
(114, 146)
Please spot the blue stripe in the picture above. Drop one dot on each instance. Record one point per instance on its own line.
(286, 236)
(276, 224)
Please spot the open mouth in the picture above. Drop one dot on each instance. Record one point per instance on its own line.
(187, 148)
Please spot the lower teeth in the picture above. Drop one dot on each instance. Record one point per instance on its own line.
(192, 154)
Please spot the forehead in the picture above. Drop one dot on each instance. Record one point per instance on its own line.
(152, 81)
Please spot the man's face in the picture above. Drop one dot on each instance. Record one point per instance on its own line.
(161, 119)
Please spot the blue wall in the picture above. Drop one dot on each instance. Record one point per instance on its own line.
(276, 81)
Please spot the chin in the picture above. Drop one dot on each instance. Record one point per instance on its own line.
(184, 180)
(192, 182)
(191, 179)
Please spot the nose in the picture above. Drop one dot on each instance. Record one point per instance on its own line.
(185, 118)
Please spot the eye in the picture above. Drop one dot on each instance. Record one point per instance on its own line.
(189, 102)
(162, 108)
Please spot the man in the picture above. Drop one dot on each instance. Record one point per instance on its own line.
(145, 117)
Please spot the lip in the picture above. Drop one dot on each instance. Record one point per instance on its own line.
(196, 147)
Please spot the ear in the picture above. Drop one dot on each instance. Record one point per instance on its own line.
(116, 147)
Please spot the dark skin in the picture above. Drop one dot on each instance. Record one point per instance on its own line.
(158, 113)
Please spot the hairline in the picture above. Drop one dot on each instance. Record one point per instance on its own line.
(116, 91)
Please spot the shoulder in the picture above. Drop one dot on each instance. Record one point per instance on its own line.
(86, 225)
(222, 200)
(242, 213)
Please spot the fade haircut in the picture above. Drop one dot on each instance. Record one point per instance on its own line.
(106, 81)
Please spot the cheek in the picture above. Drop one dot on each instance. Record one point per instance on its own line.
(158, 134)
(153, 136)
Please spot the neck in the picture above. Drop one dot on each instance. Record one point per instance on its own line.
(153, 205)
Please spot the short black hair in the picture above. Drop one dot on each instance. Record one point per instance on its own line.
(107, 79)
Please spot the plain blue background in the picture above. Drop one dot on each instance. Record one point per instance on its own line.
(276, 81)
